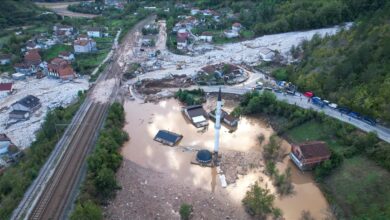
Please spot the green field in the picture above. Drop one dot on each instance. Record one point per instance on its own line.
(55, 50)
(86, 63)
(361, 189)
(315, 131)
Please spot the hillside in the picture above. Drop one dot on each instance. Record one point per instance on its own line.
(351, 68)
(17, 12)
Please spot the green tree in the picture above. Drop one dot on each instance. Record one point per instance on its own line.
(87, 211)
(185, 211)
(259, 202)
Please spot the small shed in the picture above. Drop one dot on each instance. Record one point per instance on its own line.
(197, 115)
(18, 76)
(167, 137)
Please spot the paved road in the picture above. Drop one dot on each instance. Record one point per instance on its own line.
(301, 101)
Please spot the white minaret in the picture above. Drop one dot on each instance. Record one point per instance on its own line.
(217, 127)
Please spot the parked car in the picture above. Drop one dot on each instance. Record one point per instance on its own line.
(344, 110)
(354, 115)
(317, 101)
(369, 120)
(333, 105)
(258, 87)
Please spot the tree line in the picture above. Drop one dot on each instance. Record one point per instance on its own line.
(100, 184)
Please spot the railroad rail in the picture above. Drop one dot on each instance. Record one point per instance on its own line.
(49, 196)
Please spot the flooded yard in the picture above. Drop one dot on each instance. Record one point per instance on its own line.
(158, 176)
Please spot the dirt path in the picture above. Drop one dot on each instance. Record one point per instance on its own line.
(61, 8)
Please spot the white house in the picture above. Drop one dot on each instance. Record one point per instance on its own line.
(95, 32)
(63, 30)
(68, 56)
(5, 89)
(206, 36)
(194, 11)
(236, 27)
(266, 54)
(181, 43)
(5, 142)
(231, 34)
(5, 59)
(84, 44)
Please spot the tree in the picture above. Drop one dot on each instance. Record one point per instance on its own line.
(259, 202)
(87, 211)
(185, 211)
(105, 182)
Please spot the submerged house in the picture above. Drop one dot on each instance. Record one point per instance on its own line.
(167, 137)
(226, 118)
(308, 155)
(197, 115)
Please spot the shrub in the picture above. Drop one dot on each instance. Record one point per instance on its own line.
(185, 211)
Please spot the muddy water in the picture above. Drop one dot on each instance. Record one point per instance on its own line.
(144, 121)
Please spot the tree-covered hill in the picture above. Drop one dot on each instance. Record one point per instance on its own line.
(351, 68)
(17, 12)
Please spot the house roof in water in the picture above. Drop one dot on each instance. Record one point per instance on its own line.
(314, 149)
(29, 101)
(5, 86)
(167, 137)
(195, 111)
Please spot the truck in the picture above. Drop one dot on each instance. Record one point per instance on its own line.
(317, 101)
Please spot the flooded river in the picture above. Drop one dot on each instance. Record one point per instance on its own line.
(144, 121)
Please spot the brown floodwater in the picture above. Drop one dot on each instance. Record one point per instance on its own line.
(144, 121)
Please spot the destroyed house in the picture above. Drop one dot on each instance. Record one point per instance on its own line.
(197, 115)
(5, 142)
(308, 155)
(226, 118)
(29, 103)
(167, 137)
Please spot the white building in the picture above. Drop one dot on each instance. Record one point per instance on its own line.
(68, 56)
(206, 37)
(5, 89)
(84, 44)
(5, 142)
(181, 43)
(5, 59)
(194, 11)
(231, 34)
(236, 27)
(95, 32)
(266, 54)
(63, 30)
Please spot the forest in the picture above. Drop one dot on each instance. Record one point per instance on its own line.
(351, 68)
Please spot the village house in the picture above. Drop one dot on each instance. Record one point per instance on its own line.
(32, 58)
(183, 33)
(236, 27)
(266, 54)
(182, 43)
(197, 115)
(231, 34)
(5, 89)
(5, 59)
(31, 45)
(95, 32)
(68, 56)
(5, 143)
(226, 118)
(84, 44)
(195, 11)
(206, 37)
(18, 76)
(29, 103)
(308, 155)
(22, 70)
(60, 68)
(65, 30)
(167, 137)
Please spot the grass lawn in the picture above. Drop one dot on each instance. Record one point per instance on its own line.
(314, 131)
(361, 189)
(86, 63)
(55, 50)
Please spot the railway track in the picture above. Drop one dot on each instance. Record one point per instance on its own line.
(52, 202)
(50, 195)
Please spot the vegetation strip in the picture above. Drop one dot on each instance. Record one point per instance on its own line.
(100, 183)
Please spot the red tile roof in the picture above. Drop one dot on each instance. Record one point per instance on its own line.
(5, 86)
(32, 57)
(66, 72)
(314, 149)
